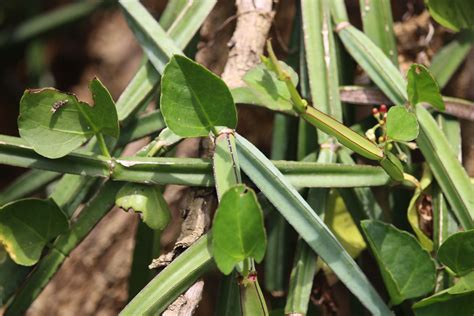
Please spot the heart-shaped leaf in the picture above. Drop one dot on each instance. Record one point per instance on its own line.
(194, 101)
(407, 269)
(238, 231)
(457, 300)
(147, 200)
(457, 252)
(26, 226)
(267, 89)
(423, 88)
(455, 14)
(401, 124)
(55, 123)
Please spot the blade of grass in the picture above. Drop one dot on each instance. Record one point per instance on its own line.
(49, 21)
(28, 183)
(303, 219)
(147, 78)
(321, 57)
(371, 58)
(172, 281)
(448, 59)
(378, 25)
(140, 127)
(157, 45)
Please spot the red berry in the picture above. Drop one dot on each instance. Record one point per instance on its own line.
(375, 111)
(383, 108)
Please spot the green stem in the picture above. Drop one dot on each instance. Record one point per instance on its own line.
(103, 145)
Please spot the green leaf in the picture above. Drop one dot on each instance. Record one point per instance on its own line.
(457, 300)
(194, 101)
(422, 87)
(268, 89)
(55, 123)
(407, 270)
(455, 15)
(457, 252)
(26, 226)
(238, 230)
(401, 124)
(147, 200)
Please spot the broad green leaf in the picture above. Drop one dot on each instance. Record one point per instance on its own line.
(55, 123)
(423, 88)
(457, 252)
(412, 213)
(454, 14)
(268, 89)
(304, 220)
(147, 200)
(401, 124)
(26, 226)
(342, 225)
(457, 300)
(407, 270)
(194, 101)
(238, 230)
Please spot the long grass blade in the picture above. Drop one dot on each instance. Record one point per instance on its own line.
(378, 25)
(446, 168)
(27, 184)
(172, 281)
(181, 30)
(158, 46)
(311, 228)
(321, 57)
(448, 59)
(49, 21)
(372, 59)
